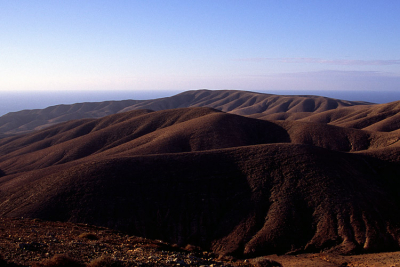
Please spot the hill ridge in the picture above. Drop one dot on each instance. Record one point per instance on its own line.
(232, 101)
(140, 132)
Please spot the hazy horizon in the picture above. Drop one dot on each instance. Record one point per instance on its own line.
(70, 46)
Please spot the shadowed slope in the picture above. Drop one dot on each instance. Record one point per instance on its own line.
(337, 138)
(225, 182)
(252, 200)
(237, 102)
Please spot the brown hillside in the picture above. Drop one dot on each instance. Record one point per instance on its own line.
(252, 200)
(237, 102)
(171, 131)
(245, 103)
(28, 120)
(225, 182)
(382, 117)
(377, 117)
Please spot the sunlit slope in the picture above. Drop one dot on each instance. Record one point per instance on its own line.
(378, 117)
(237, 102)
(245, 103)
(28, 120)
(143, 132)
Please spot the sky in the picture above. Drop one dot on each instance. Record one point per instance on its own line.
(88, 45)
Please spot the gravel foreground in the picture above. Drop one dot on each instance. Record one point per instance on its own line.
(33, 242)
(37, 243)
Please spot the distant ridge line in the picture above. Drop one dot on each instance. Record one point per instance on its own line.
(232, 101)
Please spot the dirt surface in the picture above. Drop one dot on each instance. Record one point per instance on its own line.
(29, 241)
(386, 259)
(32, 242)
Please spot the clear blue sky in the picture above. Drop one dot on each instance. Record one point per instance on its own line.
(180, 45)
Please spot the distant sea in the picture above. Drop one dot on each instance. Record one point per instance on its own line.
(16, 101)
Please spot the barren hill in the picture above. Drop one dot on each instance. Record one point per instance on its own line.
(245, 103)
(143, 132)
(383, 117)
(378, 117)
(237, 102)
(28, 120)
(221, 181)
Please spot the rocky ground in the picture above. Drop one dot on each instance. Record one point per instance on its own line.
(37, 243)
(386, 259)
(33, 242)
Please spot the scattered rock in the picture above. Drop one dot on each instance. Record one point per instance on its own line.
(264, 262)
(111, 249)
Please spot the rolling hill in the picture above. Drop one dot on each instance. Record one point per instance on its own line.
(231, 101)
(378, 117)
(226, 182)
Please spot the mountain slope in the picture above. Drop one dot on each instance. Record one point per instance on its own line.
(144, 132)
(28, 120)
(237, 102)
(247, 201)
(232, 184)
(244, 103)
(379, 117)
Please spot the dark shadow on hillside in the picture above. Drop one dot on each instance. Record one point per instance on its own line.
(388, 172)
(181, 199)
